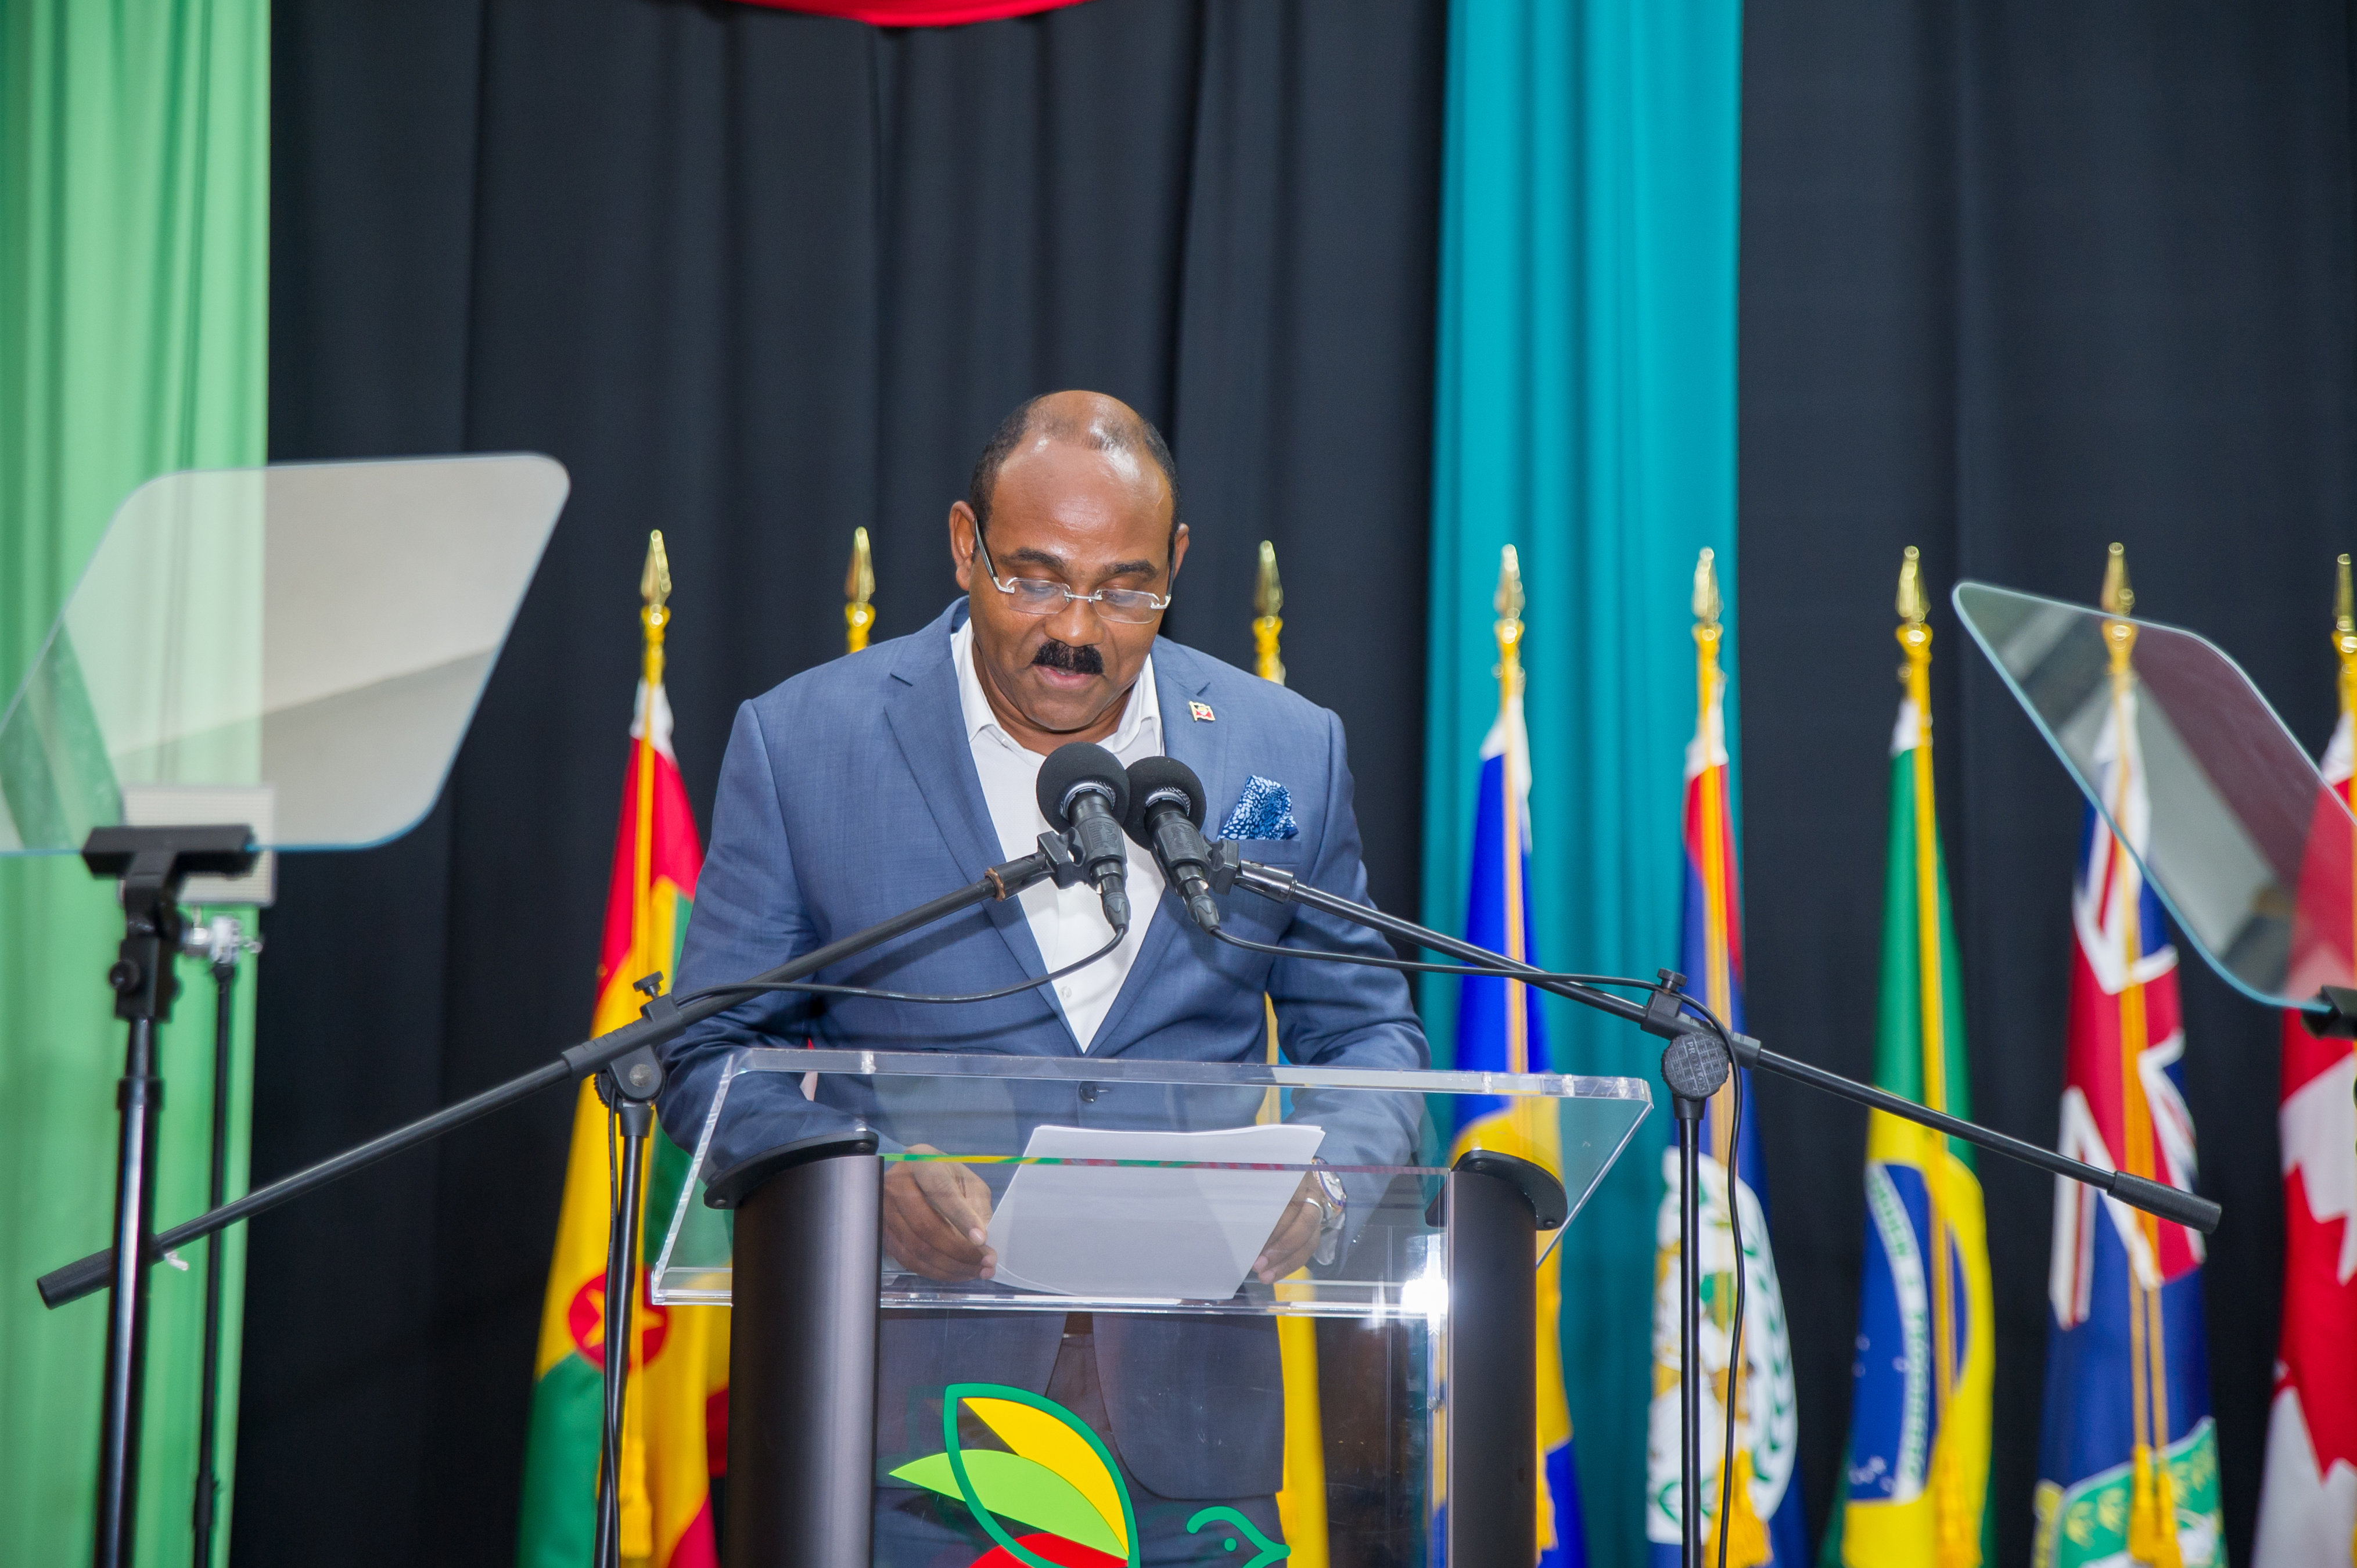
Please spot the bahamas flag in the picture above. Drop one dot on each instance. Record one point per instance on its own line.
(2127, 1460)
(675, 1421)
(1915, 1492)
(1766, 1437)
(1498, 1028)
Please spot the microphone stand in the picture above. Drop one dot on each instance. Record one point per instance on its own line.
(1694, 1064)
(220, 943)
(632, 1077)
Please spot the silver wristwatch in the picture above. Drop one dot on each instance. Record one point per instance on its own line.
(1332, 1205)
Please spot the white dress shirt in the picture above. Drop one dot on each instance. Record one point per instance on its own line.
(1067, 922)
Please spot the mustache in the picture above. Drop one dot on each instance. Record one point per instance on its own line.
(1082, 661)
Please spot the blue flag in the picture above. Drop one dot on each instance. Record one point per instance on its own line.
(1500, 1029)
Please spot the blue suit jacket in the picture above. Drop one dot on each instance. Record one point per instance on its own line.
(848, 794)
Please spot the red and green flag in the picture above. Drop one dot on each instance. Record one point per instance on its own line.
(675, 1419)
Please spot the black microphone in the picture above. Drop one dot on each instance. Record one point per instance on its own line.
(1166, 815)
(1084, 792)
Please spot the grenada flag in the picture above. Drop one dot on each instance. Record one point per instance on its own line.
(1500, 1029)
(1765, 1524)
(2127, 1459)
(2307, 1503)
(675, 1419)
(1915, 1492)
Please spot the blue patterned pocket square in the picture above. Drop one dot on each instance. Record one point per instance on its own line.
(1263, 812)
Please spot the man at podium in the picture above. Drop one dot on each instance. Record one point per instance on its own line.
(884, 779)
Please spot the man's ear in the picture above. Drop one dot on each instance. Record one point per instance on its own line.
(962, 537)
(1177, 553)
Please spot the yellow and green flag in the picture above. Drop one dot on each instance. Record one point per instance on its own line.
(1916, 1487)
(675, 1419)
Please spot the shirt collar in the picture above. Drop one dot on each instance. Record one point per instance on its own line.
(1144, 707)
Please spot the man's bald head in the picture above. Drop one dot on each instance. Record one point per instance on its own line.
(1078, 418)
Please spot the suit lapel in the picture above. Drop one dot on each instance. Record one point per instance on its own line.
(928, 725)
(1178, 680)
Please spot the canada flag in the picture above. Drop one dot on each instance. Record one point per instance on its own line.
(2308, 1508)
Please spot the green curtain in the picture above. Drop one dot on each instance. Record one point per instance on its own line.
(134, 249)
(1584, 413)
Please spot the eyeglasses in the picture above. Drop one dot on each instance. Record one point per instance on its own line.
(1038, 596)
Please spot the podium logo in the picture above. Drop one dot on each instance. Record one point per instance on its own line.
(1056, 1476)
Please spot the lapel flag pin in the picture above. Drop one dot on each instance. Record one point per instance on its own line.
(1202, 711)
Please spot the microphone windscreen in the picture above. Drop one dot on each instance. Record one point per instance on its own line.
(1167, 777)
(1070, 767)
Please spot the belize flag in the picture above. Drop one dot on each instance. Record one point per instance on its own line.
(1915, 1483)
(2307, 1503)
(1765, 1526)
(1500, 1029)
(2129, 1461)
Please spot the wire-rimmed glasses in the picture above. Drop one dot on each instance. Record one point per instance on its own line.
(1038, 596)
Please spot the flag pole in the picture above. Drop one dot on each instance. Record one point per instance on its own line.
(628, 1086)
(1958, 1539)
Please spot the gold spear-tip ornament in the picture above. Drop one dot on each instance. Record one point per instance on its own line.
(1708, 603)
(2118, 599)
(859, 589)
(654, 589)
(1507, 603)
(1268, 599)
(2345, 634)
(1915, 607)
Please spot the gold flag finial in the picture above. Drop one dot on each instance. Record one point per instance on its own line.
(1268, 594)
(1707, 604)
(2345, 634)
(1508, 602)
(1914, 607)
(1268, 599)
(654, 587)
(2118, 598)
(654, 582)
(859, 589)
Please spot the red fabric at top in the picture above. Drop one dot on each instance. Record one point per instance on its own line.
(917, 13)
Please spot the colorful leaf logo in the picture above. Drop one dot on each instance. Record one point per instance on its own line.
(1058, 1477)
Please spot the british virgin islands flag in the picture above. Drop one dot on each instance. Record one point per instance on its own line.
(1766, 1525)
(1914, 1492)
(2127, 1461)
(1498, 1028)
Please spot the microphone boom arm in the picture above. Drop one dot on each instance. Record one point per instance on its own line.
(2171, 1203)
(662, 1019)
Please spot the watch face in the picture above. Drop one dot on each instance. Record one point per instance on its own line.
(1332, 1186)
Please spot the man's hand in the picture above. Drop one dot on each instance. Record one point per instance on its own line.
(1296, 1236)
(936, 1213)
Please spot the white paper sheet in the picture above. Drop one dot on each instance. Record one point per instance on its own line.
(1181, 1232)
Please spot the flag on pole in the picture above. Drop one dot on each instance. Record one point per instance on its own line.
(1766, 1525)
(2127, 1459)
(1915, 1493)
(675, 1419)
(2308, 1502)
(1500, 1029)
(1301, 1499)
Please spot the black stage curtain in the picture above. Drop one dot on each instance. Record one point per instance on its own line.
(756, 278)
(2020, 280)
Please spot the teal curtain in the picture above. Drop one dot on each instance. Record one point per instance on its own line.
(134, 244)
(1584, 413)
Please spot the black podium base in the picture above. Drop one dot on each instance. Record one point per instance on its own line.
(801, 1363)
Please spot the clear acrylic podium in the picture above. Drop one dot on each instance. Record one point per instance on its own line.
(1114, 1393)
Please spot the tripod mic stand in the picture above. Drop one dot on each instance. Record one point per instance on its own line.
(153, 861)
(1698, 1059)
